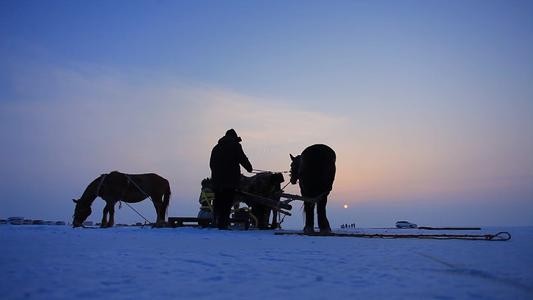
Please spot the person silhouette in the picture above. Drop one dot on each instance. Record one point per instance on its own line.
(226, 158)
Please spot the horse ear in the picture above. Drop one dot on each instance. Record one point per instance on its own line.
(292, 157)
(74, 200)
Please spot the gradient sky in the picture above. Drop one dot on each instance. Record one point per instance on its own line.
(428, 104)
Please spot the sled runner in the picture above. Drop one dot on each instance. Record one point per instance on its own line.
(197, 222)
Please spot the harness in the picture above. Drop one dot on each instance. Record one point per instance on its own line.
(129, 180)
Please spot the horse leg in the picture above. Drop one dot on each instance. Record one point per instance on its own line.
(111, 215)
(262, 218)
(103, 224)
(323, 222)
(309, 217)
(159, 210)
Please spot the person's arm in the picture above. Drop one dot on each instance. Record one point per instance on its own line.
(243, 160)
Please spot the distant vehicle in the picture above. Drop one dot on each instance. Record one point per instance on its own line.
(62, 223)
(49, 223)
(38, 222)
(405, 224)
(2, 221)
(27, 222)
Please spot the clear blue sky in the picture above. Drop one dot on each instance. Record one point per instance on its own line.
(429, 104)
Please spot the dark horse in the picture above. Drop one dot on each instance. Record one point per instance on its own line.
(315, 171)
(265, 184)
(116, 186)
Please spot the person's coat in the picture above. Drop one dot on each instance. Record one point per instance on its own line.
(226, 157)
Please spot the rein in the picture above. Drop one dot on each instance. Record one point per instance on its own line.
(257, 171)
(142, 191)
(137, 186)
(266, 171)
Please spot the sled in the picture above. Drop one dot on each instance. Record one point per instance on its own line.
(292, 197)
(277, 205)
(197, 222)
(182, 222)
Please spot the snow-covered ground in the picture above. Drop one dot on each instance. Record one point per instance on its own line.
(58, 262)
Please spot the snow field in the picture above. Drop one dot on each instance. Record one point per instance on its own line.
(58, 262)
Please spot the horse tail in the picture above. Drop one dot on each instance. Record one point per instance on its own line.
(166, 200)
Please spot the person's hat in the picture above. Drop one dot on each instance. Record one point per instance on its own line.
(232, 134)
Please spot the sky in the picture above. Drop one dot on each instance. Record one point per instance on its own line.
(428, 104)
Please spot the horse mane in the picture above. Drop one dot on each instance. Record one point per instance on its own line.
(90, 191)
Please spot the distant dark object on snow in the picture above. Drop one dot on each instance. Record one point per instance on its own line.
(15, 220)
(346, 226)
(22, 221)
(405, 224)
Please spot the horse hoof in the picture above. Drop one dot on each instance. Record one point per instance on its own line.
(159, 225)
(308, 230)
(325, 230)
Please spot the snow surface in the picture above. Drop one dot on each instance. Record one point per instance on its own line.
(59, 262)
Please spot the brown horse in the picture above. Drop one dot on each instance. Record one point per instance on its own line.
(116, 186)
(314, 169)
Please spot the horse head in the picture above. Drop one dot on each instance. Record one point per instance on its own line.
(81, 212)
(277, 178)
(295, 168)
